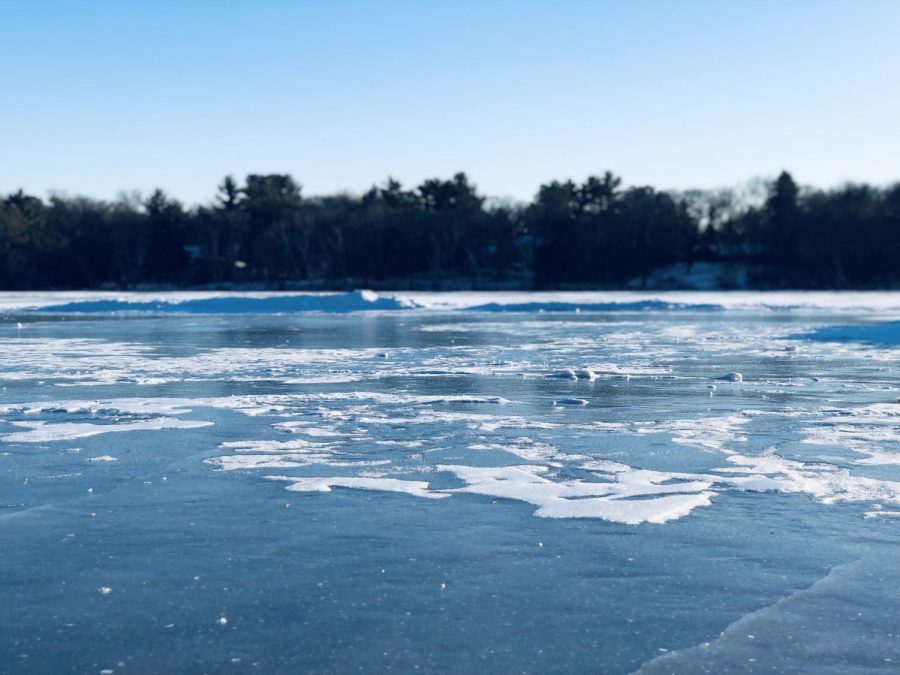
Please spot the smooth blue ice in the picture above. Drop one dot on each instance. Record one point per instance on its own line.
(882, 332)
(449, 483)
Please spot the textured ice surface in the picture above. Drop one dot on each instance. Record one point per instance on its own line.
(449, 482)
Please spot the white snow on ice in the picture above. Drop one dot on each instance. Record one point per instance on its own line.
(568, 460)
(41, 431)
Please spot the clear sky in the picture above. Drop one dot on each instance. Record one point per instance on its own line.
(102, 96)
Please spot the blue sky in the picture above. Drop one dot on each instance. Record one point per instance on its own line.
(102, 96)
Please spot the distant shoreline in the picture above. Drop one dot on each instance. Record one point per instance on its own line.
(703, 276)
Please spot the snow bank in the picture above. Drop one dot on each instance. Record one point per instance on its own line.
(330, 303)
(887, 304)
(624, 306)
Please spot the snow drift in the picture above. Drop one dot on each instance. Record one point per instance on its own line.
(331, 303)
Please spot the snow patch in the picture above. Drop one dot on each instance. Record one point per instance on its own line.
(410, 487)
(41, 431)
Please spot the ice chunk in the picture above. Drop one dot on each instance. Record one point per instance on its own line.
(571, 401)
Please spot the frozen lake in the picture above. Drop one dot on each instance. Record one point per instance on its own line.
(590, 482)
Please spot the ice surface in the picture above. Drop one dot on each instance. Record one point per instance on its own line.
(885, 333)
(872, 430)
(518, 460)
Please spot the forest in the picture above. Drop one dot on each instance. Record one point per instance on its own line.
(265, 233)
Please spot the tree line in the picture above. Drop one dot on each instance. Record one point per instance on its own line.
(444, 233)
